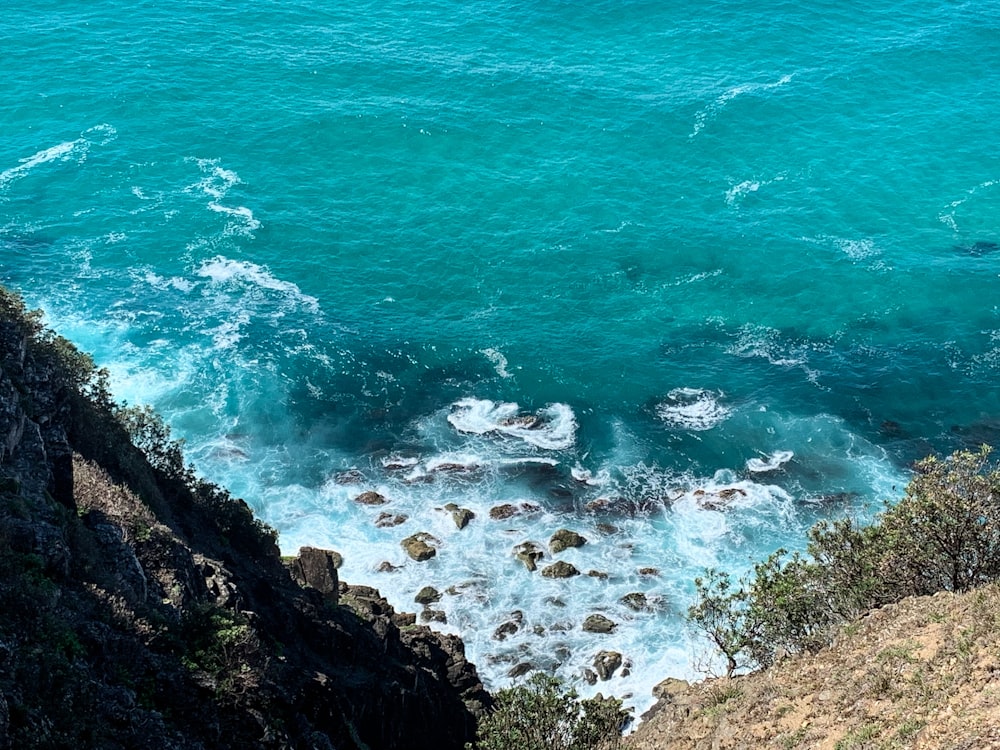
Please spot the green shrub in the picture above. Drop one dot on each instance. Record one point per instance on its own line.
(944, 534)
(543, 715)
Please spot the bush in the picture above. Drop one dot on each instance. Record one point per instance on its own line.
(543, 715)
(943, 535)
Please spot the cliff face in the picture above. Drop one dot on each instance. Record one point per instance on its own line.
(142, 607)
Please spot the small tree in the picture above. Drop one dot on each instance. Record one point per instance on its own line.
(542, 715)
(721, 613)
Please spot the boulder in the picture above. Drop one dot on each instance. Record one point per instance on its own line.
(606, 662)
(564, 539)
(387, 567)
(371, 498)
(418, 546)
(636, 601)
(461, 516)
(649, 572)
(560, 569)
(599, 624)
(434, 615)
(427, 595)
(317, 568)
(529, 553)
(600, 575)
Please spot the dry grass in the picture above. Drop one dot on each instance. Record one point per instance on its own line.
(920, 674)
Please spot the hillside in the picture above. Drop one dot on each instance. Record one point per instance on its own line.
(141, 607)
(923, 673)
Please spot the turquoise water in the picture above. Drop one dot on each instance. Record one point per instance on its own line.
(708, 247)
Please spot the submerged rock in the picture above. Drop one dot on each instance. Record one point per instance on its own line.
(351, 476)
(599, 624)
(510, 627)
(509, 510)
(560, 569)
(389, 520)
(418, 546)
(564, 539)
(387, 567)
(636, 601)
(521, 669)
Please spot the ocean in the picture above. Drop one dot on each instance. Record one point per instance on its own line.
(682, 278)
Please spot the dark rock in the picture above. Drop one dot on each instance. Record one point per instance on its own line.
(598, 574)
(427, 595)
(564, 539)
(371, 498)
(529, 553)
(606, 662)
(509, 627)
(389, 520)
(560, 569)
(433, 615)
(318, 568)
(528, 421)
(607, 528)
(387, 567)
(509, 510)
(635, 601)
(589, 676)
(649, 572)
(598, 624)
(418, 546)
(351, 476)
(520, 669)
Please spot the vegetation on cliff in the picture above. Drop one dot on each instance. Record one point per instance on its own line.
(943, 535)
(142, 607)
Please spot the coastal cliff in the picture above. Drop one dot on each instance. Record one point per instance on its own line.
(143, 607)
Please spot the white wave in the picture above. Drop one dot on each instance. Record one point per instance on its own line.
(858, 249)
(948, 217)
(245, 225)
(741, 190)
(216, 183)
(551, 428)
(692, 409)
(772, 462)
(587, 477)
(221, 270)
(702, 117)
(65, 151)
(498, 360)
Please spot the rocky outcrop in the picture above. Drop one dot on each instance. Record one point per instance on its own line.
(560, 569)
(145, 608)
(418, 546)
(564, 539)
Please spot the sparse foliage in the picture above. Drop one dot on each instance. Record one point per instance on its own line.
(944, 534)
(543, 715)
